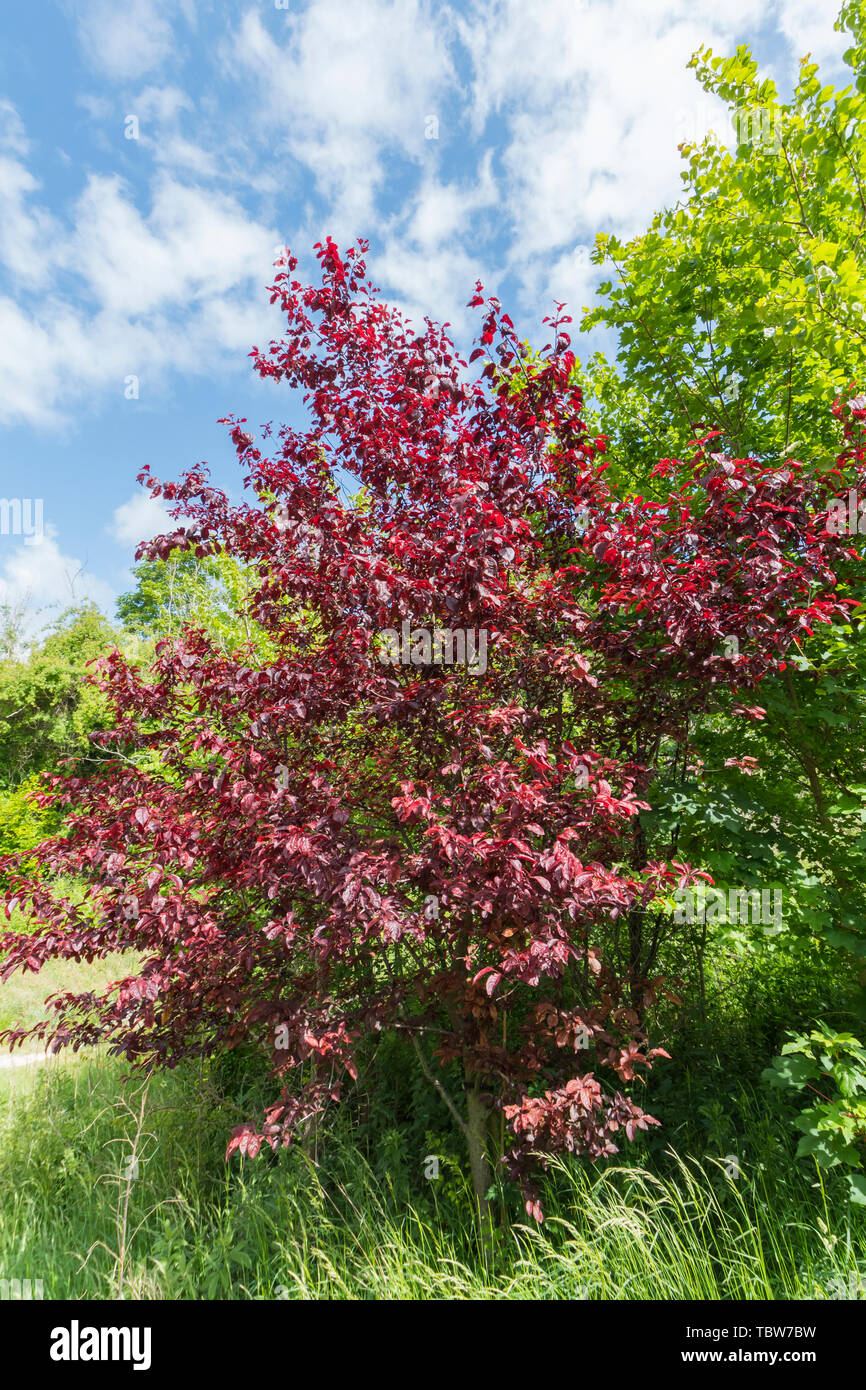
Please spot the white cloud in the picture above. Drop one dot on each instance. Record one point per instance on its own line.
(590, 114)
(444, 211)
(140, 518)
(13, 136)
(27, 232)
(808, 27)
(351, 85)
(192, 245)
(179, 287)
(161, 105)
(427, 260)
(127, 39)
(175, 152)
(592, 100)
(46, 581)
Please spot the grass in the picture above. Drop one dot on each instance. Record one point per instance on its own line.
(22, 998)
(79, 1216)
(112, 1187)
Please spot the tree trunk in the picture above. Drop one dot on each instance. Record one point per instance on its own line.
(477, 1138)
(636, 924)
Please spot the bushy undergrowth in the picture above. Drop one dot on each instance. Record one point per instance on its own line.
(753, 999)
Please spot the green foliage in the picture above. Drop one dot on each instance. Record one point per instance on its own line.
(23, 824)
(742, 308)
(211, 593)
(47, 708)
(834, 1125)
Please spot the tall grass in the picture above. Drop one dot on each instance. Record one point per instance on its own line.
(111, 1192)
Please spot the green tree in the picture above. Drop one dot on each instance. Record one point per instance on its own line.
(211, 593)
(742, 310)
(47, 708)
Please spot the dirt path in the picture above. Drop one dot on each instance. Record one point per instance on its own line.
(24, 1059)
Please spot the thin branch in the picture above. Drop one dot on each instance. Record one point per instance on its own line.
(425, 1067)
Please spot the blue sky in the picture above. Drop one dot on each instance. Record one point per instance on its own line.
(153, 155)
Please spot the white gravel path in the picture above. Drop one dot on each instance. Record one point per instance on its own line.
(23, 1059)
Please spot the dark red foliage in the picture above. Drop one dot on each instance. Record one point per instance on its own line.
(277, 874)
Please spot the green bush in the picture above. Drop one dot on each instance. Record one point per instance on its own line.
(24, 824)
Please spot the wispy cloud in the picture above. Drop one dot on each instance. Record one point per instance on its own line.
(125, 40)
(139, 519)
